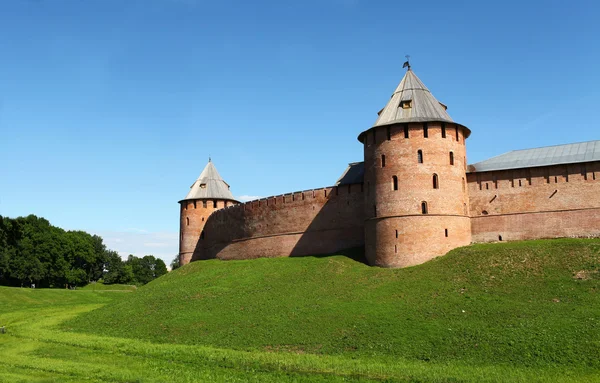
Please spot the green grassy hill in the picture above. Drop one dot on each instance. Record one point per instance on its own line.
(527, 304)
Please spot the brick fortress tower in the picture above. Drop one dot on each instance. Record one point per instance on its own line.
(416, 201)
(208, 194)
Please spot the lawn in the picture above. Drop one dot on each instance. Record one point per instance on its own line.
(513, 312)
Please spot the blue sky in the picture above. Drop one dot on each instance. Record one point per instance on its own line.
(109, 109)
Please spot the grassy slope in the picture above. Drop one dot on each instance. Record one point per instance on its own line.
(513, 304)
(113, 287)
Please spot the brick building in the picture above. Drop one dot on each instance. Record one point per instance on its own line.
(412, 199)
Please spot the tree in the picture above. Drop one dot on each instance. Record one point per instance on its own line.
(175, 263)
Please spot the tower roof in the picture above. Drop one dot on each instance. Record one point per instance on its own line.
(413, 102)
(210, 185)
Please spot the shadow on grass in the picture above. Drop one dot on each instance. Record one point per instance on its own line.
(355, 253)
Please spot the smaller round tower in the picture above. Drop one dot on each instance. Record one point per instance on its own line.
(208, 194)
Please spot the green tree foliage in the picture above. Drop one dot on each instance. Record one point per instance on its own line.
(32, 251)
(175, 263)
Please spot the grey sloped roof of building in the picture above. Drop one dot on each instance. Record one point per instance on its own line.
(354, 174)
(209, 185)
(423, 105)
(546, 156)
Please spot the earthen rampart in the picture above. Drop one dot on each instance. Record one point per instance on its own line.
(541, 202)
(316, 221)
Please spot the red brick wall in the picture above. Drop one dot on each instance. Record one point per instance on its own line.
(312, 222)
(421, 237)
(544, 202)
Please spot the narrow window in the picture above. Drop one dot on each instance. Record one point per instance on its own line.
(202, 219)
(383, 160)
(446, 232)
(395, 183)
(374, 210)
(423, 207)
(194, 204)
(451, 158)
(202, 235)
(500, 238)
(204, 204)
(456, 133)
(487, 187)
(186, 206)
(584, 172)
(215, 203)
(555, 179)
(389, 133)
(405, 130)
(443, 130)
(395, 248)
(520, 183)
(425, 130)
(436, 184)
(495, 182)
(396, 233)
(420, 156)
(464, 184)
(303, 194)
(187, 221)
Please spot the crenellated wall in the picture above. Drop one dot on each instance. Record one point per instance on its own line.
(543, 202)
(317, 221)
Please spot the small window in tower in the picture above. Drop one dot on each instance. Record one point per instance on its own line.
(487, 187)
(457, 133)
(405, 130)
(383, 160)
(425, 130)
(203, 186)
(194, 204)
(436, 184)
(187, 221)
(423, 207)
(420, 156)
(446, 232)
(215, 203)
(406, 104)
(202, 219)
(204, 204)
(464, 184)
(374, 210)
(520, 184)
(396, 233)
(202, 235)
(389, 133)
(395, 183)
(451, 158)
(443, 130)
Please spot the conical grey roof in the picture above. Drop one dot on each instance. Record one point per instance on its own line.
(413, 102)
(210, 185)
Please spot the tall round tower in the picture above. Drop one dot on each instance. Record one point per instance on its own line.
(416, 202)
(208, 194)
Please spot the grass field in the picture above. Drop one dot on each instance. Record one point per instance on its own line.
(513, 312)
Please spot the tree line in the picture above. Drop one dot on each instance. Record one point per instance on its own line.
(32, 251)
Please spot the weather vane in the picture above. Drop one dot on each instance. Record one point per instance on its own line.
(407, 63)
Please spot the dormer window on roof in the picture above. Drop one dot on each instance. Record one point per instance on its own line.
(406, 104)
(203, 186)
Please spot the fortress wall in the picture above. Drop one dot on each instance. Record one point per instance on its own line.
(317, 221)
(544, 202)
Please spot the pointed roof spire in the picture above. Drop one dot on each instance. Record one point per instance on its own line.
(412, 102)
(210, 185)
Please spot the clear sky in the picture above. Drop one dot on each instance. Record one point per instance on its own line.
(109, 109)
